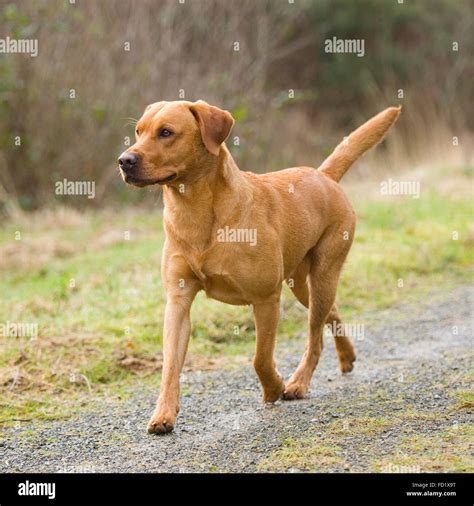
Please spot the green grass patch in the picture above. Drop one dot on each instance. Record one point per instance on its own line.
(302, 455)
(465, 399)
(446, 451)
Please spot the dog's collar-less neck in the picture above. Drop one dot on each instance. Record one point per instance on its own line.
(224, 175)
(207, 204)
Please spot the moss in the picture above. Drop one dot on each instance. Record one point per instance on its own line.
(465, 399)
(443, 451)
(304, 455)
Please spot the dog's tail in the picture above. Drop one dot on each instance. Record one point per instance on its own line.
(358, 142)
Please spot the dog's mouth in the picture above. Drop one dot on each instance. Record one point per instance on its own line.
(147, 182)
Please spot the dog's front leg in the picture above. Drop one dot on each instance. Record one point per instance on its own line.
(177, 329)
(267, 315)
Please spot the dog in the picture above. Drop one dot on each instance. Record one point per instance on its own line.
(238, 236)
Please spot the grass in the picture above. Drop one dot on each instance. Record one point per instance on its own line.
(465, 399)
(442, 450)
(447, 451)
(422, 439)
(302, 455)
(325, 450)
(92, 283)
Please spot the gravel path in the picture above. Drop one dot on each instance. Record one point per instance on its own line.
(410, 361)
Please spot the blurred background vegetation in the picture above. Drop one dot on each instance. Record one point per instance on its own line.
(188, 49)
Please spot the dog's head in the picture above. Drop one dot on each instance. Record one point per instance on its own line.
(175, 142)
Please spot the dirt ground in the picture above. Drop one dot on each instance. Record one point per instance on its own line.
(407, 406)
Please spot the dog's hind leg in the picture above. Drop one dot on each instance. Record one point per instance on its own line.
(344, 347)
(326, 261)
(298, 283)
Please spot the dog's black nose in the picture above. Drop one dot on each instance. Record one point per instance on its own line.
(128, 161)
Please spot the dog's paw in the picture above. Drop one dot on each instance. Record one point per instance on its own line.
(161, 423)
(274, 393)
(295, 390)
(346, 364)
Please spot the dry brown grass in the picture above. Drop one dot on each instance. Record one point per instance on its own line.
(61, 232)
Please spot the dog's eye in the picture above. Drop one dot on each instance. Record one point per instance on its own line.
(165, 133)
(137, 132)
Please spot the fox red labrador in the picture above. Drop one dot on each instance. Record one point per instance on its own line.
(238, 236)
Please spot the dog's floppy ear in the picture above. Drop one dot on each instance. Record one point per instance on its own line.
(214, 123)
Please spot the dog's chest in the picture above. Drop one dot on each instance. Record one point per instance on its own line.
(237, 277)
(225, 288)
